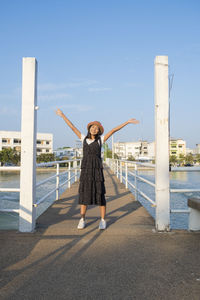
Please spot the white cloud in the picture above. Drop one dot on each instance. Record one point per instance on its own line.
(8, 111)
(99, 89)
(61, 86)
(52, 97)
(78, 107)
(132, 84)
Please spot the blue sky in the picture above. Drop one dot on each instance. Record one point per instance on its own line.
(96, 62)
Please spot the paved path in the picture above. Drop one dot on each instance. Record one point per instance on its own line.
(129, 260)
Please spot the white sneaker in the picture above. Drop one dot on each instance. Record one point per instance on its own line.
(81, 224)
(102, 224)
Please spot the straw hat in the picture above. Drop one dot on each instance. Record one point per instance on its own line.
(96, 123)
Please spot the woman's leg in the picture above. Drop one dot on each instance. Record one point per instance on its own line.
(83, 210)
(103, 211)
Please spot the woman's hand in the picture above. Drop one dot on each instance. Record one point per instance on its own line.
(59, 112)
(133, 121)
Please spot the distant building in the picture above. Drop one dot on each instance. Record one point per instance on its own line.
(151, 150)
(190, 151)
(138, 150)
(125, 150)
(177, 147)
(12, 139)
(143, 150)
(197, 149)
(78, 144)
(68, 152)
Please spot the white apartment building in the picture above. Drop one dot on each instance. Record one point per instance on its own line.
(124, 150)
(177, 147)
(136, 149)
(197, 149)
(151, 150)
(143, 150)
(12, 139)
(69, 152)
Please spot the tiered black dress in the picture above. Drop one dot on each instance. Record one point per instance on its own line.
(92, 188)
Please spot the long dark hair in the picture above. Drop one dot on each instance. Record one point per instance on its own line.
(97, 136)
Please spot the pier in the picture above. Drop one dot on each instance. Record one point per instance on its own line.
(129, 260)
(136, 257)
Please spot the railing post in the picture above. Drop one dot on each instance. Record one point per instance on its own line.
(57, 181)
(121, 171)
(136, 182)
(126, 173)
(27, 210)
(162, 144)
(69, 174)
(75, 171)
(117, 168)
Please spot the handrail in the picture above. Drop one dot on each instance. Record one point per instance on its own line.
(143, 194)
(56, 162)
(13, 190)
(66, 181)
(45, 180)
(9, 210)
(118, 171)
(57, 175)
(143, 179)
(10, 168)
(184, 190)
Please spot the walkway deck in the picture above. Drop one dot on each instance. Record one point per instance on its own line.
(129, 260)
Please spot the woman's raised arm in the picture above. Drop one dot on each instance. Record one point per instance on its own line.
(131, 121)
(69, 123)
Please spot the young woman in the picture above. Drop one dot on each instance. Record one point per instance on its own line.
(91, 188)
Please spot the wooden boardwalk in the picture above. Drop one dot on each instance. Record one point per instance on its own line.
(129, 260)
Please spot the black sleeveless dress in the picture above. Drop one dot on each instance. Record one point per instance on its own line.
(91, 187)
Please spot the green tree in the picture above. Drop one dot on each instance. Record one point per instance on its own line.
(9, 155)
(116, 156)
(189, 158)
(181, 159)
(197, 158)
(109, 153)
(173, 159)
(105, 147)
(65, 164)
(45, 157)
(131, 158)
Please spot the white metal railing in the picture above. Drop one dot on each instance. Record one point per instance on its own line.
(186, 211)
(57, 176)
(75, 169)
(117, 166)
(11, 190)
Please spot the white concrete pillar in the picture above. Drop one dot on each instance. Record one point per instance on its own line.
(194, 220)
(162, 144)
(27, 213)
